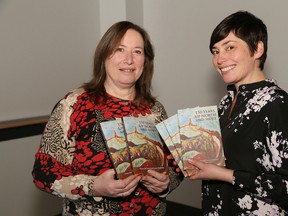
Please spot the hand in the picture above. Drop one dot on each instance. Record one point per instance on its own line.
(156, 182)
(208, 171)
(173, 163)
(107, 185)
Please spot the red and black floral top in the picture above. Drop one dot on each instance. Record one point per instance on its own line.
(72, 153)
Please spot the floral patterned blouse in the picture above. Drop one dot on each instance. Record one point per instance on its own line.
(255, 140)
(72, 153)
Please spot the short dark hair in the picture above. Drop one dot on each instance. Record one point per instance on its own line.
(245, 26)
(107, 46)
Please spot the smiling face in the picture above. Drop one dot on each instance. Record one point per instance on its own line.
(125, 65)
(234, 61)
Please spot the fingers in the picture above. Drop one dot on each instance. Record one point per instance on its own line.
(105, 178)
(175, 163)
(106, 185)
(108, 175)
(208, 171)
(128, 190)
(197, 169)
(127, 185)
(131, 183)
(192, 174)
(155, 182)
(195, 163)
(170, 157)
(156, 175)
(178, 170)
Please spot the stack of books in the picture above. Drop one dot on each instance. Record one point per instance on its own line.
(134, 145)
(193, 133)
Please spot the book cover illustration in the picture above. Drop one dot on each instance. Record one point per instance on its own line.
(114, 136)
(172, 127)
(145, 145)
(170, 145)
(200, 135)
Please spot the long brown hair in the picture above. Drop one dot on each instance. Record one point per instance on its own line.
(107, 45)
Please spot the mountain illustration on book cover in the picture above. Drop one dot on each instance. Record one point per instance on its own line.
(200, 135)
(145, 145)
(169, 143)
(114, 136)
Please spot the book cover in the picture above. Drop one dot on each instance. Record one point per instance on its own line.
(145, 145)
(170, 145)
(172, 127)
(200, 135)
(114, 136)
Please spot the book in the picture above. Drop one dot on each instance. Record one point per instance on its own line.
(200, 135)
(145, 145)
(115, 140)
(170, 145)
(172, 126)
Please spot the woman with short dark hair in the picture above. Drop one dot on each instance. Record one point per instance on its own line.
(254, 126)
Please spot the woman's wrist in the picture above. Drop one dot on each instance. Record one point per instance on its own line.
(164, 193)
(228, 175)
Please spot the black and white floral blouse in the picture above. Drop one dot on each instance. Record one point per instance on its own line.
(255, 140)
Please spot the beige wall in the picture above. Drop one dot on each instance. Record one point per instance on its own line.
(19, 196)
(47, 49)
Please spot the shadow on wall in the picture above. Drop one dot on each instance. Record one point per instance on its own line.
(177, 209)
(217, 85)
